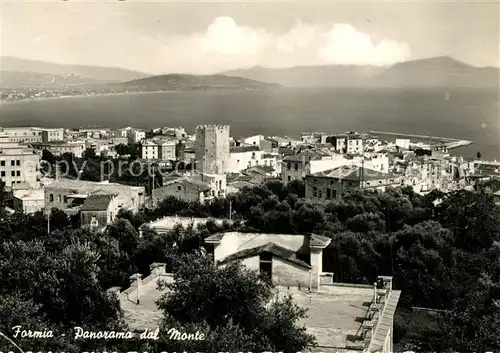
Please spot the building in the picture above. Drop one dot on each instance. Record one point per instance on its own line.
(294, 263)
(99, 210)
(316, 160)
(310, 161)
(18, 165)
(135, 135)
(28, 201)
(69, 194)
(190, 189)
(173, 132)
(58, 148)
(212, 155)
(50, 135)
(22, 134)
(331, 184)
(243, 157)
(212, 148)
(342, 317)
(158, 149)
(351, 142)
(313, 137)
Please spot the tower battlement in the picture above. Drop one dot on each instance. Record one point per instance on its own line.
(213, 127)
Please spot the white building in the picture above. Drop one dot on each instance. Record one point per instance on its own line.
(29, 201)
(19, 164)
(243, 157)
(319, 160)
(158, 149)
(133, 135)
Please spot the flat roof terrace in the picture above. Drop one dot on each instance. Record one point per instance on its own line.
(335, 314)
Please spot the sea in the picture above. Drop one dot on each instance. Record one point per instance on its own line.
(469, 114)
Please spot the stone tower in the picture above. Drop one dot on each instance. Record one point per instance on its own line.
(212, 149)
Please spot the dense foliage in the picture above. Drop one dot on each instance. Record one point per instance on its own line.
(443, 255)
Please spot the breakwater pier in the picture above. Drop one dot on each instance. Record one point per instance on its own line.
(437, 141)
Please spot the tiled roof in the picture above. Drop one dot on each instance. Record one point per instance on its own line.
(97, 202)
(307, 155)
(240, 149)
(271, 248)
(352, 173)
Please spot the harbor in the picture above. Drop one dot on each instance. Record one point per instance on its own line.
(433, 141)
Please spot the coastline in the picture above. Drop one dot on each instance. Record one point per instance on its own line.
(85, 95)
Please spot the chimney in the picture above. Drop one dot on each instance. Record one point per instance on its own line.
(114, 292)
(136, 280)
(157, 269)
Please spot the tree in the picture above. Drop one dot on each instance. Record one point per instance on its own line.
(89, 153)
(232, 306)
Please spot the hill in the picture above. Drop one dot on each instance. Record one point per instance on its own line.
(190, 82)
(16, 79)
(432, 72)
(101, 74)
(310, 76)
(438, 72)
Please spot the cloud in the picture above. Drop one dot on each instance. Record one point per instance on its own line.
(226, 45)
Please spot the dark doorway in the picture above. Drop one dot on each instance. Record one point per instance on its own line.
(266, 265)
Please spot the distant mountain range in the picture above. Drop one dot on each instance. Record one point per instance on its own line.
(23, 73)
(92, 73)
(432, 72)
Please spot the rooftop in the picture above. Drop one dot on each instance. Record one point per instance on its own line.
(336, 315)
(145, 314)
(99, 202)
(308, 155)
(91, 186)
(269, 248)
(241, 149)
(352, 173)
(30, 194)
(191, 182)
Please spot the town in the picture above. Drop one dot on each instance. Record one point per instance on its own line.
(210, 165)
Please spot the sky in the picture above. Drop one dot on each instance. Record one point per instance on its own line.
(207, 37)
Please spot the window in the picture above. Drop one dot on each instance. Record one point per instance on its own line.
(315, 191)
(328, 193)
(289, 178)
(296, 166)
(51, 197)
(179, 188)
(18, 173)
(289, 166)
(2, 163)
(2, 173)
(334, 194)
(266, 265)
(12, 163)
(60, 198)
(12, 173)
(18, 162)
